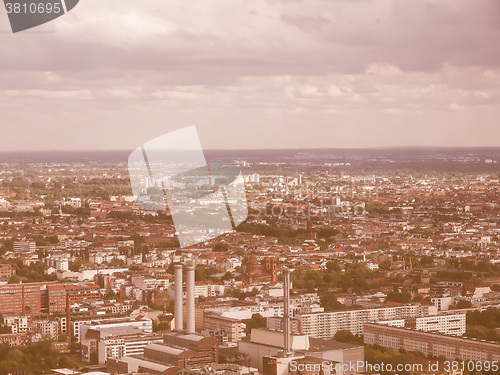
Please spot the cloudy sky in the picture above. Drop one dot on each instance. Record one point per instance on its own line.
(255, 74)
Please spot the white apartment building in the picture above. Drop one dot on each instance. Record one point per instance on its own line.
(202, 289)
(29, 246)
(326, 324)
(17, 324)
(432, 344)
(143, 283)
(48, 328)
(454, 324)
(60, 264)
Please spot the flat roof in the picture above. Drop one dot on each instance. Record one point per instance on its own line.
(323, 345)
(165, 349)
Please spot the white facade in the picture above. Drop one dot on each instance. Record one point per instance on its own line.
(17, 324)
(326, 324)
(447, 324)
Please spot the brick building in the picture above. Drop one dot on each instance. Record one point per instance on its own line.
(77, 294)
(6, 271)
(23, 298)
(264, 271)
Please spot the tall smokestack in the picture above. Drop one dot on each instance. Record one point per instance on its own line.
(190, 323)
(286, 314)
(178, 297)
(23, 307)
(68, 320)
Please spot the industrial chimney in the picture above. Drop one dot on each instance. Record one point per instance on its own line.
(287, 350)
(190, 311)
(178, 297)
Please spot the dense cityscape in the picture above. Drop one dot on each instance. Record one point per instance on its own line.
(393, 260)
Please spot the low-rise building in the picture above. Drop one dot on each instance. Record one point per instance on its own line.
(431, 344)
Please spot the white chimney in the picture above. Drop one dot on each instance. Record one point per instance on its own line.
(190, 281)
(178, 297)
(287, 350)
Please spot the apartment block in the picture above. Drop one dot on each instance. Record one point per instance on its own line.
(431, 344)
(22, 298)
(18, 324)
(234, 328)
(326, 324)
(78, 293)
(48, 329)
(275, 323)
(27, 245)
(6, 271)
(446, 324)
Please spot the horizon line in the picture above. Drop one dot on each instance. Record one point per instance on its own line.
(265, 149)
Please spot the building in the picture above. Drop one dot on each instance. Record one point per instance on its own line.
(17, 323)
(133, 365)
(264, 345)
(326, 324)
(349, 356)
(48, 329)
(177, 352)
(27, 245)
(23, 298)
(275, 323)
(431, 367)
(431, 344)
(6, 271)
(264, 271)
(78, 293)
(234, 328)
(199, 316)
(116, 342)
(81, 326)
(445, 324)
(14, 339)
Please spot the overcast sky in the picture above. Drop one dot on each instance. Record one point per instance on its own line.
(112, 74)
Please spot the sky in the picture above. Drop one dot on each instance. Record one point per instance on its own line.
(254, 74)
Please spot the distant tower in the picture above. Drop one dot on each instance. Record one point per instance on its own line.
(271, 265)
(310, 235)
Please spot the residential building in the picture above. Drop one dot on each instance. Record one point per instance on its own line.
(234, 328)
(446, 324)
(431, 344)
(326, 324)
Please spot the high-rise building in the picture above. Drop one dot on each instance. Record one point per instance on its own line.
(431, 344)
(326, 324)
(23, 298)
(77, 293)
(453, 324)
(25, 245)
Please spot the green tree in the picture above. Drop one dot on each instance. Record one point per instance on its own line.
(347, 337)
(257, 321)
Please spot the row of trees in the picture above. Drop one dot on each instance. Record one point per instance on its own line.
(35, 359)
(354, 278)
